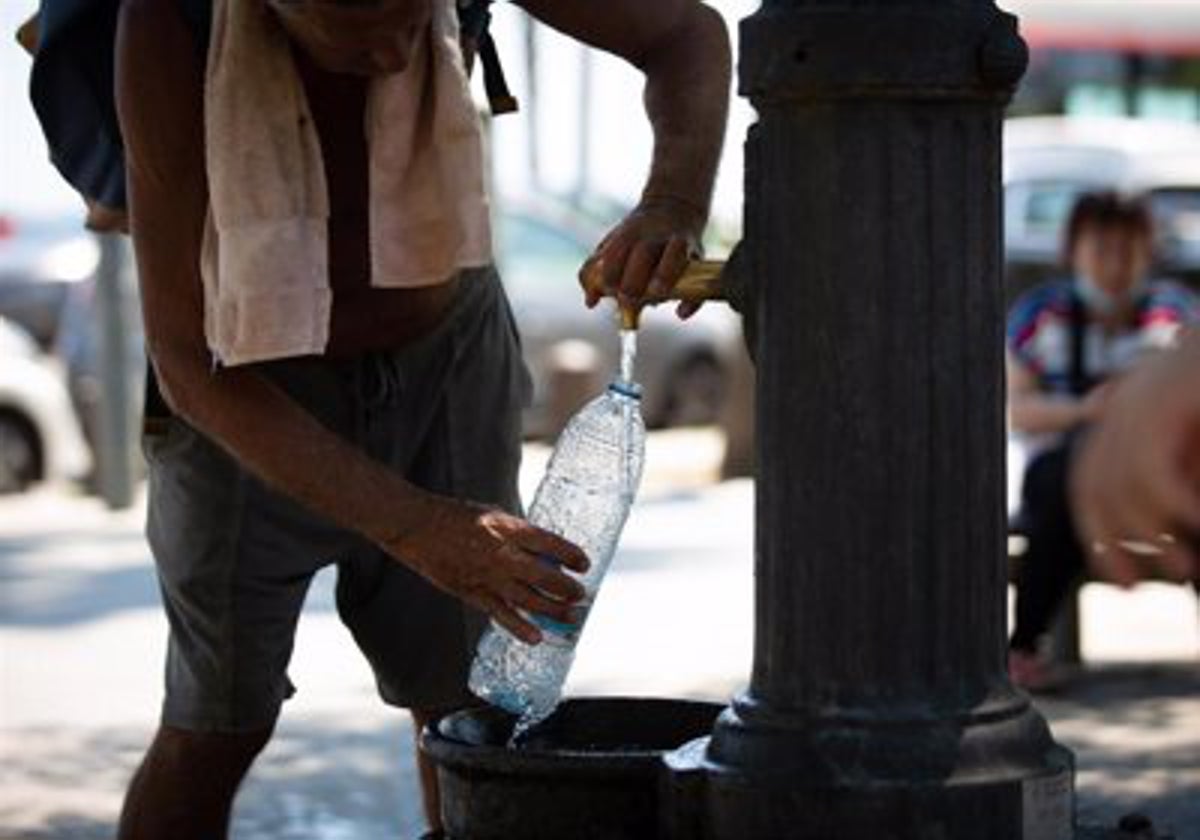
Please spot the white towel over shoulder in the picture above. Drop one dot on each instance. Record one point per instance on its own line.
(265, 267)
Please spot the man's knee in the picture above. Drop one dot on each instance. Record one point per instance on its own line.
(426, 715)
(208, 751)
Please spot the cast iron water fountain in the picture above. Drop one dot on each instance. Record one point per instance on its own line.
(878, 705)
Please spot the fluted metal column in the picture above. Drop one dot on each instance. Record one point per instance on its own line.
(879, 705)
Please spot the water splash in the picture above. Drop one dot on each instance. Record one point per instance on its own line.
(527, 721)
(625, 377)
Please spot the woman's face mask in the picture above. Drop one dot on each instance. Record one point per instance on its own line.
(1101, 301)
(1110, 265)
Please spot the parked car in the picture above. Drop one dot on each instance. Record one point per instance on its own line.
(39, 433)
(40, 261)
(80, 347)
(681, 365)
(1049, 161)
(48, 282)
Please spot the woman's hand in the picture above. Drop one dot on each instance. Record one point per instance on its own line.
(1135, 483)
(496, 562)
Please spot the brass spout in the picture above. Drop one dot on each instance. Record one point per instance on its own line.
(701, 281)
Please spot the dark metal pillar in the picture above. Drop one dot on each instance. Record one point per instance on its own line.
(879, 708)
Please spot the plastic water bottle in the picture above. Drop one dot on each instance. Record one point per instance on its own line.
(585, 497)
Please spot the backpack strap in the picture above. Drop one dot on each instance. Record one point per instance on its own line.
(1080, 381)
(500, 99)
(474, 19)
(1077, 376)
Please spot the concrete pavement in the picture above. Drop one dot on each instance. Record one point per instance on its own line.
(81, 642)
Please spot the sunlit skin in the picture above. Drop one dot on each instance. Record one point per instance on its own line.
(364, 39)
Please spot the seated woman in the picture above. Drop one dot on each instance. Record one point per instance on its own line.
(1067, 339)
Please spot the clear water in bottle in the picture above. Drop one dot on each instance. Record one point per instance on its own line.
(585, 497)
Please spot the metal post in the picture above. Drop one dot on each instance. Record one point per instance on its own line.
(532, 101)
(114, 449)
(583, 174)
(879, 706)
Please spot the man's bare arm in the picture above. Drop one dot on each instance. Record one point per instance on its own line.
(480, 555)
(682, 47)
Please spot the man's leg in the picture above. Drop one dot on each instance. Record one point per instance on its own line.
(234, 560)
(185, 786)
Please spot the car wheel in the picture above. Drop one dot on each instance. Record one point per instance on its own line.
(697, 391)
(20, 453)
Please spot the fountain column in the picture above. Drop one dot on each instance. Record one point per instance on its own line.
(879, 705)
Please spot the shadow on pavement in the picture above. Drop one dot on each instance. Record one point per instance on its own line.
(67, 827)
(318, 780)
(1135, 731)
(33, 596)
(61, 597)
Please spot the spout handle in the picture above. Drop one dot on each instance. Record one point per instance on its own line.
(701, 281)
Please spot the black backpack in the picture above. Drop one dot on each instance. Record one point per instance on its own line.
(71, 85)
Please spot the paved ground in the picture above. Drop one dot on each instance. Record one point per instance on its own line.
(81, 640)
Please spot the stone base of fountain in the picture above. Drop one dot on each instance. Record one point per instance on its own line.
(592, 771)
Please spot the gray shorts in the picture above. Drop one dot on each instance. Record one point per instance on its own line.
(235, 558)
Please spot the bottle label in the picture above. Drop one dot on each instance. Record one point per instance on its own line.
(568, 633)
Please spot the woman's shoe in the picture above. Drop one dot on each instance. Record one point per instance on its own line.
(1032, 672)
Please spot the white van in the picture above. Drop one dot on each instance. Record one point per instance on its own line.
(1049, 161)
